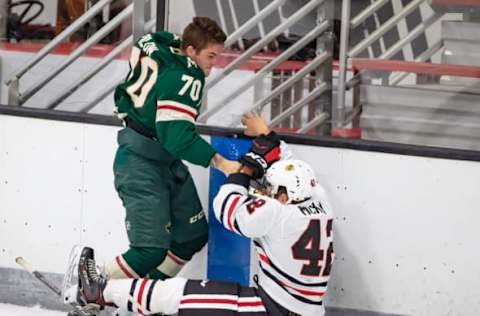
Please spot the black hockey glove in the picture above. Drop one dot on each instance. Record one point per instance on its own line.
(264, 152)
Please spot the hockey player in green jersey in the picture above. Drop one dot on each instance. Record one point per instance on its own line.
(159, 103)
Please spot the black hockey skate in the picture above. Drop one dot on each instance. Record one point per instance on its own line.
(90, 283)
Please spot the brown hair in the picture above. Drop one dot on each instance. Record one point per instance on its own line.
(201, 32)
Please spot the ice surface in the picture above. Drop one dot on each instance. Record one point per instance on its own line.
(15, 310)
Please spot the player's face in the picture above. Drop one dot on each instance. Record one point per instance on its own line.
(207, 57)
(266, 190)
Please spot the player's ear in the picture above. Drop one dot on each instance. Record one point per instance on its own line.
(190, 51)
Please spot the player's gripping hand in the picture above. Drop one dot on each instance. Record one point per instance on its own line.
(255, 125)
(264, 152)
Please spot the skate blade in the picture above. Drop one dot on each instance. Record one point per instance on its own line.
(70, 279)
(89, 309)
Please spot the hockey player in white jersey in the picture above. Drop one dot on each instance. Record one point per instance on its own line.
(291, 225)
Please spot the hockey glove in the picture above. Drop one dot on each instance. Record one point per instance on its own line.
(264, 152)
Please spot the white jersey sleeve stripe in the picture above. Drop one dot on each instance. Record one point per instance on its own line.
(236, 206)
(230, 212)
(224, 206)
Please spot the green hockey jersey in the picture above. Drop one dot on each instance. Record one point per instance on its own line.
(163, 92)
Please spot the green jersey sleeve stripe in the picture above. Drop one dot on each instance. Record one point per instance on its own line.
(168, 113)
(177, 106)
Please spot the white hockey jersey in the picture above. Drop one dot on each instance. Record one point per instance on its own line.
(294, 242)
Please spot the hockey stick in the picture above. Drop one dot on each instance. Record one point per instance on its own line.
(25, 265)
